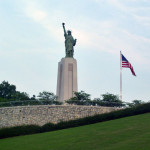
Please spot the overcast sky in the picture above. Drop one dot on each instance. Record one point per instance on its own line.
(32, 44)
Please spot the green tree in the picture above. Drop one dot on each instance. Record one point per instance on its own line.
(45, 95)
(33, 97)
(108, 99)
(135, 103)
(80, 98)
(111, 100)
(8, 93)
(7, 90)
(96, 102)
(20, 96)
(138, 102)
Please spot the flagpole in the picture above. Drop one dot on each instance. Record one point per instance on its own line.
(120, 76)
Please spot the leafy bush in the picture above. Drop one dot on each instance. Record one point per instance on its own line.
(48, 127)
(19, 130)
(30, 129)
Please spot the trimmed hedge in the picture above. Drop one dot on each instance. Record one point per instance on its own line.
(19, 130)
(31, 129)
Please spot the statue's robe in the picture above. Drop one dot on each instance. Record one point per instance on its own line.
(69, 43)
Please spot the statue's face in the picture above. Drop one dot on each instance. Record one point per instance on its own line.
(69, 32)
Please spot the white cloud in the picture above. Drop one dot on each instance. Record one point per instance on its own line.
(140, 47)
(33, 11)
(36, 14)
(117, 40)
(98, 35)
(135, 11)
(143, 20)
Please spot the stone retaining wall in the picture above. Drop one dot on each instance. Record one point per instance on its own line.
(42, 114)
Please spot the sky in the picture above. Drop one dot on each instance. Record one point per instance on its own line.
(32, 44)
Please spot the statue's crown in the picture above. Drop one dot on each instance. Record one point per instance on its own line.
(69, 31)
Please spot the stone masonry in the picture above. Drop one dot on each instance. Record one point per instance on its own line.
(42, 114)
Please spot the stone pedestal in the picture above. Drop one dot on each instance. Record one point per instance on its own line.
(66, 79)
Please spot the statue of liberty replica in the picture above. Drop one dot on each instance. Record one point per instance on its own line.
(69, 42)
(67, 70)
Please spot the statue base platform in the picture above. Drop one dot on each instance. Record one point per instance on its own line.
(66, 79)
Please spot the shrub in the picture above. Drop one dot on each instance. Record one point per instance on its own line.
(19, 130)
(48, 127)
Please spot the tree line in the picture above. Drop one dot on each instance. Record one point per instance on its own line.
(8, 93)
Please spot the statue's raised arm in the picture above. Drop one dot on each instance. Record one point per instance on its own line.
(65, 33)
(70, 42)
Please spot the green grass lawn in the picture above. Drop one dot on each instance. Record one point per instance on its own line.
(130, 133)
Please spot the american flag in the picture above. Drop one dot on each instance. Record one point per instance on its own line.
(126, 64)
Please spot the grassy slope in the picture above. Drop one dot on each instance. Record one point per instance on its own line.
(130, 133)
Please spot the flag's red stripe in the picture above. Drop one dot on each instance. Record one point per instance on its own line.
(126, 64)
